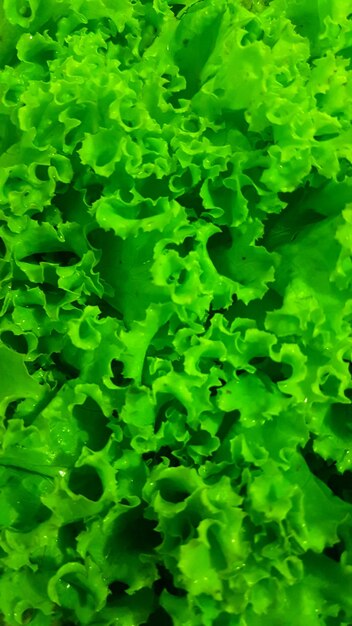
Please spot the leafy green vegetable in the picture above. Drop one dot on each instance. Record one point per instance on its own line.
(175, 328)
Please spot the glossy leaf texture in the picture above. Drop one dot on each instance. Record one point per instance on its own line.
(175, 297)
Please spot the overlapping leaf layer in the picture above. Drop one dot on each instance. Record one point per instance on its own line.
(175, 358)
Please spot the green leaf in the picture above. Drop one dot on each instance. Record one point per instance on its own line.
(15, 381)
(175, 312)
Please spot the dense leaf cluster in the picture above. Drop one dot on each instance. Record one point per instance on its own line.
(175, 378)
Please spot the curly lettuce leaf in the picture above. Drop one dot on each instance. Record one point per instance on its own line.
(175, 345)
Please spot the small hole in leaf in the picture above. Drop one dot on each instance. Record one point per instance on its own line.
(92, 423)
(69, 370)
(106, 310)
(253, 33)
(93, 193)
(177, 8)
(326, 137)
(166, 581)
(64, 258)
(190, 199)
(224, 619)
(131, 534)
(173, 460)
(2, 248)
(318, 466)
(334, 552)
(16, 342)
(167, 77)
(11, 409)
(326, 471)
(126, 195)
(41, 172)
(207, 322)
(187, 246)
(28, 615)
(159, 618)
(172, 246)
(86, 482)
(25, 11)
(182, 277)
(117, 590)
(118, 378)
(38, 217)
(275, 371)
(12, 95)
(220, 92)
(118, 39)
(348, 394)
(68, 535)
(229, 421)
(214, 390)
(155, 458)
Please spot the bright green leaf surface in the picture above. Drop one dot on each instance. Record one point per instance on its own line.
(175, 327)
